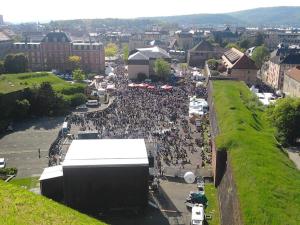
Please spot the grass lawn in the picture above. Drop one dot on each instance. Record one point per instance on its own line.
(19, 206)
(27, 183)
(268, 183)
(15, 82)
(213, 206)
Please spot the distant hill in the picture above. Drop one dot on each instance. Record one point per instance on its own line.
(272, 16)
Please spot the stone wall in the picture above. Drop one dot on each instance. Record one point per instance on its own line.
(223, 177)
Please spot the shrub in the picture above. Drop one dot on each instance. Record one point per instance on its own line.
(78, 99)
(8, 171)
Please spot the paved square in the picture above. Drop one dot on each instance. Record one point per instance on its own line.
(20, 148)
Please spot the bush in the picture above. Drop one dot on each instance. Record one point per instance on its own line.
(21, 109)
(78, 99)
(8, 171)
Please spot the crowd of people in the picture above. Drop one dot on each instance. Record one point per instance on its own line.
(158, 116)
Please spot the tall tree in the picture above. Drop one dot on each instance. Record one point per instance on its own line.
(259, 55)
(125, 52)
(259, 39)
(16, 63)
(74, 62)
(285, 116)
(244, 44)
(162, 69)
(78, 75)
(111, 49)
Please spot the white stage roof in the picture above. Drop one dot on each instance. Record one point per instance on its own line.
(106, 152)
(52, 172)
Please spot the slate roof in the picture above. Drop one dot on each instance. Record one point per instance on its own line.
(56, 36)
(291, 59)
(203, 46)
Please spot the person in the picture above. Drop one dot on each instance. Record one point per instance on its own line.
(39, 153)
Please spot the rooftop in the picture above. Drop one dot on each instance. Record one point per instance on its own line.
(52, 172)
(106, 152)
(56, 36)
(294, 73)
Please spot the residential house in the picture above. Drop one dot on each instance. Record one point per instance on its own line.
(239, 66)
(281, 60)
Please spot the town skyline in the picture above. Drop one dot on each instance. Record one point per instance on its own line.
(46, 13)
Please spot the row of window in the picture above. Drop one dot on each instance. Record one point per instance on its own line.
(86, 47)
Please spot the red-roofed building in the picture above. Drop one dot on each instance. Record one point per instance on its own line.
(239, 66)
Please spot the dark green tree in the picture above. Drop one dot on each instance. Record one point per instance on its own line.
(16, 63)
(21, 109)
(245, 44)
(259, 39)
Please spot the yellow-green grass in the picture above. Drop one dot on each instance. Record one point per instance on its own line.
(27, 183)
(268, 183)
(213, 206)
(19, 206)
(14, 82)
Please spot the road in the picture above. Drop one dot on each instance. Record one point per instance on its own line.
(20, 148)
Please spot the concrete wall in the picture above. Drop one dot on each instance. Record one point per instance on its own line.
(134, 70)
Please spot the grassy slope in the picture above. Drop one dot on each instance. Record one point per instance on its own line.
(19, 206)
(213, 207)
(15, 82)
(267, 181)
(27, 183)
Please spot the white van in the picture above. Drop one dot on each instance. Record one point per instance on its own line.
(2, 163)
(197, 215)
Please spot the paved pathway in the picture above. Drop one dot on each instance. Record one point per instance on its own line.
(294, 154)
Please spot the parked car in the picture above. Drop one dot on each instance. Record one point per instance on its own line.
(2, 163)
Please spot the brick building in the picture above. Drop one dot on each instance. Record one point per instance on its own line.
(54, 50)
(239, 66)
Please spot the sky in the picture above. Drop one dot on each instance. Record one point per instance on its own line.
(17, 11)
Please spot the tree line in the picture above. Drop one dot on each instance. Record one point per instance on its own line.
(14, 63)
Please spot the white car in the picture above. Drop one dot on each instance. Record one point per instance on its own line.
(2, 163)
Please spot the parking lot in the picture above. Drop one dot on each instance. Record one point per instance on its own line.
(20, 148)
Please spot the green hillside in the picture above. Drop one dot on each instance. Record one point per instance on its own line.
(267, 181)
(19, 206)
(15, 82)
